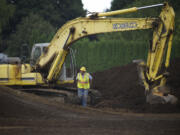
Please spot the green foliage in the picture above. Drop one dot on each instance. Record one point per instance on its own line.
(6, 12)
(109, 52)
(119, 4)
(57, 12)
(34, 20)
(32, 29)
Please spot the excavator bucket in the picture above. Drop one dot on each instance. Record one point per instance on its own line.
(162, 96)
(155, 94)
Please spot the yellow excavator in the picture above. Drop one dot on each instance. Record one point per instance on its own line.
(49, 69)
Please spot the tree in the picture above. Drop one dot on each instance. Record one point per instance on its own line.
(32, 29)
(52, 14)
(119, 4)
(57, 12)
(6, 12)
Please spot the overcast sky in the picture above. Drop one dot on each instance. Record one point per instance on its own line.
(96, 5)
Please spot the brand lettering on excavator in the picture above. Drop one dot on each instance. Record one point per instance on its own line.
(125, 25)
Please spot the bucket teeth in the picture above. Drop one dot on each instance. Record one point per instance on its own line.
(157, 99)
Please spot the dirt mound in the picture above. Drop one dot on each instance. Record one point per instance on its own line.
(174, 78)
(120, 87)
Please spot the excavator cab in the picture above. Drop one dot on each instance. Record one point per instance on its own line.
(36, 52)
(68, 71)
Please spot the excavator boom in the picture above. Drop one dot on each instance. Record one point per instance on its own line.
(82, 27)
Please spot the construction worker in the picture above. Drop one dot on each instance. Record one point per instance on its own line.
(84, 80)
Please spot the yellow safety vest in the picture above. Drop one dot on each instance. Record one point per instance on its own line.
(83, 81)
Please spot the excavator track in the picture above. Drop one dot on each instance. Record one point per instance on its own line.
(64, 95)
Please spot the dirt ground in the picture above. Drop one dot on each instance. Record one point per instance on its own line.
(122, 111)
(28, 114)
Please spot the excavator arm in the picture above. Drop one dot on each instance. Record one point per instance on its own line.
(160, 48)
(154, 72)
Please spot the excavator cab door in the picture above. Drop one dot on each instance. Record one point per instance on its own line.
(68, 71)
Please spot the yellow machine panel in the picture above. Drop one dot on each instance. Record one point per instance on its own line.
(15, 74)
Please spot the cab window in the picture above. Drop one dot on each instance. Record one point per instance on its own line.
(37, 53)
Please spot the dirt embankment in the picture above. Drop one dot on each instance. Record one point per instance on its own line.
(121, 89)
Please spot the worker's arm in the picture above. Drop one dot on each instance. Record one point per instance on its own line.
(90, 79)
(77, 76)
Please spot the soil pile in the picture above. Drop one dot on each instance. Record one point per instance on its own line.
(121, 89)
(174, 78)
